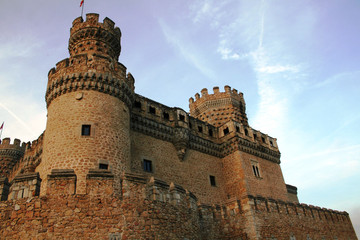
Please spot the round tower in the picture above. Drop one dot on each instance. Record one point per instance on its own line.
(219, 107)
(88, 97)
(10, 154)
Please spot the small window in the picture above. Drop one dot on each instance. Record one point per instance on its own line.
(255, 137)
(271, 143)
(166, 115)
(200, 129)
(103, 166)
(212, 181)
(190, 125)
(237, 129)
(137, 104)
(226, 131)
(85, 130)
(181, 117)
(263, 139)
(147, 164)
(210, 132)
(255, 168)
(152, 110)
(246, 132)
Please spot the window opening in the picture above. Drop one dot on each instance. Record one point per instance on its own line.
(147, 165)
(246, 132)
(166, 115)
(103, 166)
(255, 137)
(210, 132)
(137, 104)
(181, 117)
(85, 130)
(200, 129)
(212, 181)
(226, 131)
(263, 139)
(237, 129)
(152, 110)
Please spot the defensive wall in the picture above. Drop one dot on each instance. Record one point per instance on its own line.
(149, 208)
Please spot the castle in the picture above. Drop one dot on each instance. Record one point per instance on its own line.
(112, 164)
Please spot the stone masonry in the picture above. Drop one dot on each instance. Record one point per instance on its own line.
(112, 164)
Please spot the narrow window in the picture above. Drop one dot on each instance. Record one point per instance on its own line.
(255, 168)
(263, 139)
(226, 131)
(85, 130)
(147, 164)
(246, 132)
(210, 132)
(103, 166)
(137, 104)
(212, 181)
(152, 110)
(237, 129)
(255, 136)
(166, 115)
(190, 125)
(200, 128)
(271, 143)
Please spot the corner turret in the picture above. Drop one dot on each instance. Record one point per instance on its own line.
(10, 154)
(219, 107)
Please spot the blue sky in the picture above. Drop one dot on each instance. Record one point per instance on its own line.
(297, 63)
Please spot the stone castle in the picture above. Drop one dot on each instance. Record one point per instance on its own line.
(112, 164)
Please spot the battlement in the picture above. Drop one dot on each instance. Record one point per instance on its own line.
(17, 145)
(94, 36)
(233, 93)
(219, 107)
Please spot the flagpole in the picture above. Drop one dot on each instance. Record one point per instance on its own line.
(82, 8)
(2, 127)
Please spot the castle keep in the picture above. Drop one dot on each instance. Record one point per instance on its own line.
(112, 164)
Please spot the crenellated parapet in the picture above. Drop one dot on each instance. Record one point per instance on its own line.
(93, 36)
(219, 107)
(10, 154)
(186, 132)
(270, 206)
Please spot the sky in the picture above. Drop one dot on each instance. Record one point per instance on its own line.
(297, 63)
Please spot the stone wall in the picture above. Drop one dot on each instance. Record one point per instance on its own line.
(281, 220)
(154, 209)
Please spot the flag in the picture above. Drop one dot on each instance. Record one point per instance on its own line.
(81, 3)
(2, 125)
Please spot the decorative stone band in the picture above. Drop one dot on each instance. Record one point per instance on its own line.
(183, 141)
(87, 81)
(237, 143)
(16, 154)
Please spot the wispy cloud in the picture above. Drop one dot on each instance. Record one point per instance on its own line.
(187, 51)
(17, 118)
(24, 46)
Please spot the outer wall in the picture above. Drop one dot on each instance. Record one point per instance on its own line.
(65, 148)
(192, 173)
